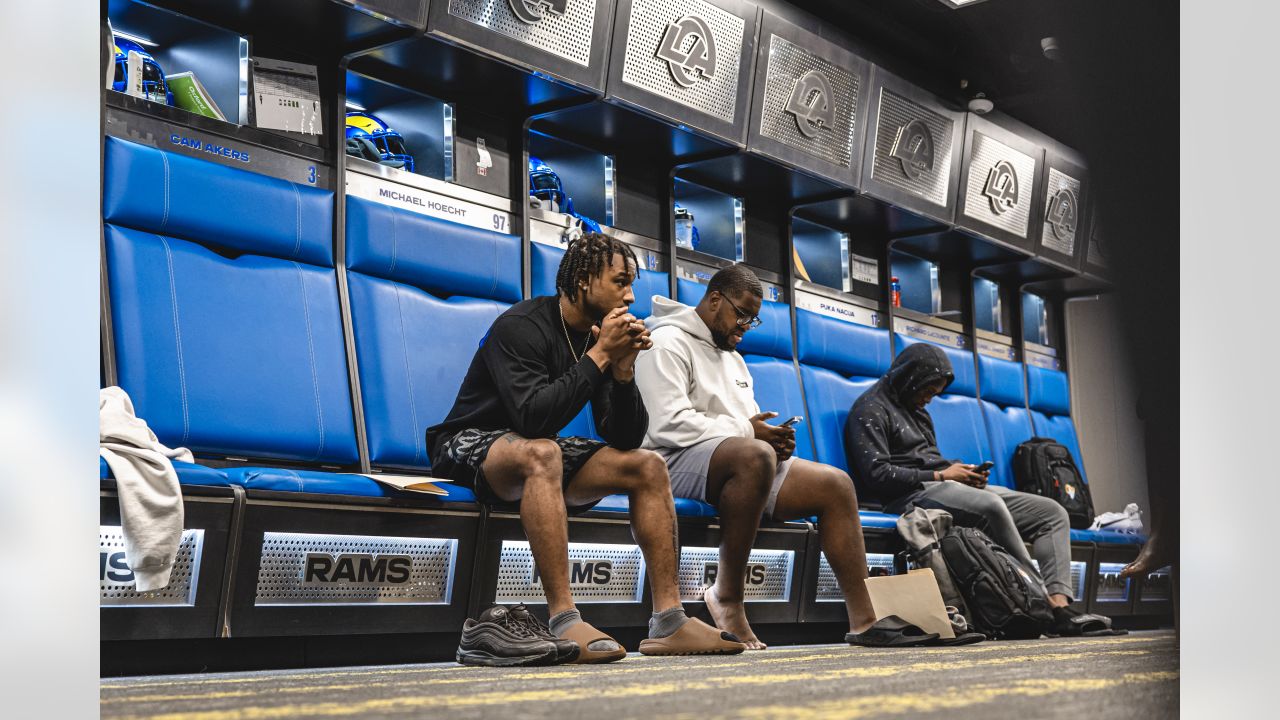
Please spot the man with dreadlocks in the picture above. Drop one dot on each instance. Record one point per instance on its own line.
(542, 361)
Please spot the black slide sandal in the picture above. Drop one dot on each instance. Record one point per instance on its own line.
(891, 631)
(1073, 623)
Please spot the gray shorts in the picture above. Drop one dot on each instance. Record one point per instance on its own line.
(688, 468)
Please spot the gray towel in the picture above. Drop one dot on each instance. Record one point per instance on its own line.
(150, 497)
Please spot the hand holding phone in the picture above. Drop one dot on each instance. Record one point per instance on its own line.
(984, 467)
(792, 421)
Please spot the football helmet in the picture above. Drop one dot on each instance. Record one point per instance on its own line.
(154, 86)
(370, 138)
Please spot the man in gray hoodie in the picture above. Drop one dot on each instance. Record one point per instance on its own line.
(704, 421)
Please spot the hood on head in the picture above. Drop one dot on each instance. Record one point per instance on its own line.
(917, 367)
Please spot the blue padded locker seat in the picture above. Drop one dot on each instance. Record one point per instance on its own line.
(188, 474)
(423, 293)
(237, 356)
(441, 257)
(839, 360)
(1004, 400)
(1050, 402)
(685, 507)
(191, 199)
(546, 263)
(414, 349)
(878, 520)
(309, 481)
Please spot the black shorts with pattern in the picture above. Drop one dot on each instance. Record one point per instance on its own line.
(462, 456)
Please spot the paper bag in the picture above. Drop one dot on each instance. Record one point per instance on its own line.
(914, 597)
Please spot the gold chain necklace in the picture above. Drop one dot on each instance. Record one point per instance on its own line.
(577, 357)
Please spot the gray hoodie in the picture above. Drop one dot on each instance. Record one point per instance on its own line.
(693, 390)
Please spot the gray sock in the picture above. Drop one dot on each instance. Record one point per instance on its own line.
(664, 623)
(567, 619)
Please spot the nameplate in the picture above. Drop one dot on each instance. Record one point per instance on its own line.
(928, 333)
(1040, 360)
(837, 309)
(996, 350)
(427, 203)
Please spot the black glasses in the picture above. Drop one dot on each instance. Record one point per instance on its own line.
(743, 320)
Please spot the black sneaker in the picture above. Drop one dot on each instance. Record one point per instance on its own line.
(497, 639)
(566, 650)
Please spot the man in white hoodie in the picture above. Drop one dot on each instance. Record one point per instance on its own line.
(704, 421)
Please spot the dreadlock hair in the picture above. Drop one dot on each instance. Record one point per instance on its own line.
(587, 256)
(735, 280)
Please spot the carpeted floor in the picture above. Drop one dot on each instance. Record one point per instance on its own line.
(1134, 676)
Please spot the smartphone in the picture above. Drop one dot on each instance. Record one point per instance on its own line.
(984, 467)
(792, 421)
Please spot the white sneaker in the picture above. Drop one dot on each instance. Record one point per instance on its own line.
(1129, 521)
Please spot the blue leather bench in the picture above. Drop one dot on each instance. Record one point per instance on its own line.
(188, 474)
(226, 324)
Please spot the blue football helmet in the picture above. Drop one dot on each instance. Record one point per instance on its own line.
(154, 86)
(545, 185)
(370, 138)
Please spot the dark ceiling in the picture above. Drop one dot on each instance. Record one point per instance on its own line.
(992, 47)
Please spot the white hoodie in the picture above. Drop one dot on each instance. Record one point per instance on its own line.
(692, 390)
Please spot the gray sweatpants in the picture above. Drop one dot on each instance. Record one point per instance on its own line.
(1007, 516)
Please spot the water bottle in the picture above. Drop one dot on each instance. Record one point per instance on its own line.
(895, 292)
(684, 228)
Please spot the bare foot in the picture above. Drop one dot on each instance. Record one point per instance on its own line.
(1151, 557)
(731, 617)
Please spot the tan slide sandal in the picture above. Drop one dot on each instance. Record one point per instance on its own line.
(584, 634)
(693, 638)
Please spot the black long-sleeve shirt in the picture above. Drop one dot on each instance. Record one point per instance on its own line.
(523, 377)
(890, 445)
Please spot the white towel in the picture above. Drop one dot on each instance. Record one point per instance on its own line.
(150, 497)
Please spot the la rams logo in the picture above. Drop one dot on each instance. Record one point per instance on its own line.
(689, 49)
(913, 147)
(1002, 187)
(1062, 214)
(811, 103)
(531, 11)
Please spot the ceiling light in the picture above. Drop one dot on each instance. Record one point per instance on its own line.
(355, 106)
(957, 4)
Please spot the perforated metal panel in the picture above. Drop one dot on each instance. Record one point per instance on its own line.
(566, 34)
(716, 95)
(768, 573)
(314, 569)
(1110, 587)
(598, 573)
(788, 66)
(1078, 577)
(116, 580)
(878, 565)
(1158, 586)
(988, 164)
(1061, 213)
(894, 114)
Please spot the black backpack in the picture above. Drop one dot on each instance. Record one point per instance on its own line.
(1042, 466)
(1005, 599)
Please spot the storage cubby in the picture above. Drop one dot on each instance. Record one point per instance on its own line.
(1038, 325)
(717, 217)
(821, 255)
(990, 312)
(425, 123)
(219, 58)
(586, 176)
